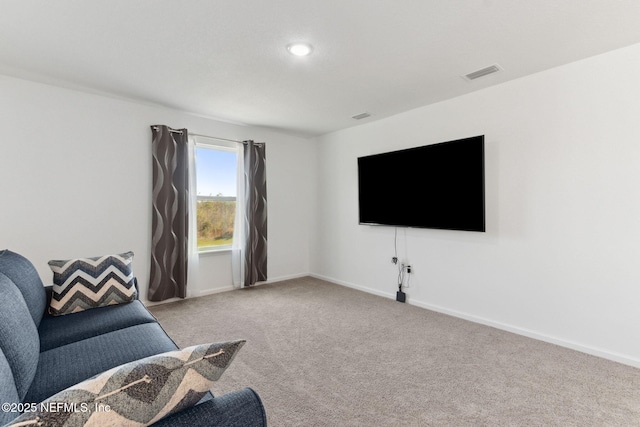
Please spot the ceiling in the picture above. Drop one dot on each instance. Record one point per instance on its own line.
(227, 59)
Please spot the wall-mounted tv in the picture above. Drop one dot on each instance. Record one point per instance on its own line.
(433, 186)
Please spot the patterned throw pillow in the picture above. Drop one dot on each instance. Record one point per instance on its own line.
(137, 393)
(84, 283)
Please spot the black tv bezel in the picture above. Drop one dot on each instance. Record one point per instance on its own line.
(481, 229)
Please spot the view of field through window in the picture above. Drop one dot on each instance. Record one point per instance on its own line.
(216, 201)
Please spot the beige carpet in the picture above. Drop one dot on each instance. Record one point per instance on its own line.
(320, 354)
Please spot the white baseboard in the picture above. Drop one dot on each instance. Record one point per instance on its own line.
(353, 286)
(152, 303)
(214, 291)
(231, 288)
(189, 296)
(282, 278)
(226, 289)
(605, 354)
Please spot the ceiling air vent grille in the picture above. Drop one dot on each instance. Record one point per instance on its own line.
(483, 72)
(361, 116)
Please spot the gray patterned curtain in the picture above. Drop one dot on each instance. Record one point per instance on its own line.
(255, 214)
(170, 223)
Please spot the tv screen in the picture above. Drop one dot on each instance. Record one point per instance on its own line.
(433, 186)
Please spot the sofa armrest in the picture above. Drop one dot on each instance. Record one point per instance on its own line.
(237, 409)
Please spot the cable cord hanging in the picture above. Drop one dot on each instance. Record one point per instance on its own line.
(403, 269)
(395, 259)
(395, 245)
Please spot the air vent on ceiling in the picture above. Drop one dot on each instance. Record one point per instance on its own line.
(483, 72)
(361, 116)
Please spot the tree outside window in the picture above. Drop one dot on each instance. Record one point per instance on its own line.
(216, 199)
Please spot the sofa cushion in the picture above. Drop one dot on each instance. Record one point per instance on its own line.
(141, 392)
(24, 275)
(84, 283)
(64, 366)
(8, 391)
(56, 331)
(18, 335)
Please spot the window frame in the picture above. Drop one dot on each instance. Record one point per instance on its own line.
(227, 146)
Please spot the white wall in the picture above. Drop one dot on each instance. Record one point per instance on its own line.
(75, 180)
(559, 260)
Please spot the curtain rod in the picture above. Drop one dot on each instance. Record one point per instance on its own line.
(214, 137)
(200, 135)
(207, 136)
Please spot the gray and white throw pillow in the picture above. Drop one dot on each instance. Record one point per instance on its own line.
(84, 283)
(137, 393)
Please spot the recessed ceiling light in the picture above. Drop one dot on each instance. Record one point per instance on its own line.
(299, 49)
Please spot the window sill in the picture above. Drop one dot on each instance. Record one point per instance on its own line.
(214, 251)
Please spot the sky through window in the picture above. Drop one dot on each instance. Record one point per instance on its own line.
(216, 174)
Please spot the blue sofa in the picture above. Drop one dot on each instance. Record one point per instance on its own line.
(40, 354)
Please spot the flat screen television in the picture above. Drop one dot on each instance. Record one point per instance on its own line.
(433, 186)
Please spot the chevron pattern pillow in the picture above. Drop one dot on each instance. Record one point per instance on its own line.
(137, 393)
(84, 283)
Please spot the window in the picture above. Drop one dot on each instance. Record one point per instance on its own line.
(216, 196)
